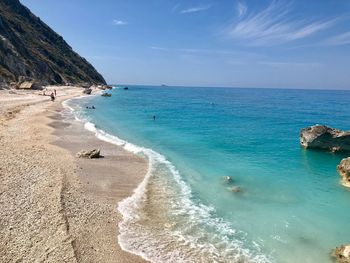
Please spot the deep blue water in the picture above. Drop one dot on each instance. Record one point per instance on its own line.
(290, 208)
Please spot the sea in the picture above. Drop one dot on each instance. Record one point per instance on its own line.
(227, 179)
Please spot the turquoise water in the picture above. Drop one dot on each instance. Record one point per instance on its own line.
(290, 207)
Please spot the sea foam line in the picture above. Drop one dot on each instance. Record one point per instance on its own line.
(128, 206)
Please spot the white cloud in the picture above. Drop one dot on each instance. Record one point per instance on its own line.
(241, 9)
(216, 52)
(195, 9)
(159, 48)
(119, 22)
(274, 25)
(338, 40)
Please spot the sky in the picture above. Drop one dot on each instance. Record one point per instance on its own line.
(227, 43)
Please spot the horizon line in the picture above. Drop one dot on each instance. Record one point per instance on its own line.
(225, 87)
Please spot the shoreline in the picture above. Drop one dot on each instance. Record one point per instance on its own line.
(69, 212)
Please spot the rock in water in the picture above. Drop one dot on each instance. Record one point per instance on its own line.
(95, 153)
(325, 138)
(235, 189)
(344, 171)
(228, 179)
(342, 254)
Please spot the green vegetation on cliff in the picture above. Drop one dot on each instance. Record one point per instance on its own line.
(29, 48)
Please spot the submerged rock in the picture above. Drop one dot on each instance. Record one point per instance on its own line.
(344, 170)
(325, 138)
(342, 254)
(235, 189)
(95, 153)
(106, 95)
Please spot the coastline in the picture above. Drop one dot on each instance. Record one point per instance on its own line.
(56, 207)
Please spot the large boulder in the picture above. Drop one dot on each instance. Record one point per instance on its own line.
(95, 153)
(344, 171)
(87, 91)
(342, 254)
(325, 138)
(30, 85)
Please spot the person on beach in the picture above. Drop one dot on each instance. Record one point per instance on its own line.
(55, 92)
(52, 96)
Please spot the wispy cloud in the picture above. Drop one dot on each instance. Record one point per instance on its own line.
(339, 40)
(159, 48)
(274, 25)
(275, 64)
(119, 22)
(195, 9)
(241, 9)
(209, 52)
(289, 64)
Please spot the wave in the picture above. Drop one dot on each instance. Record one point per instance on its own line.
(163, 223)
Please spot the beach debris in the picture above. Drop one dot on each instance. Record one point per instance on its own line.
(342, 254)
(106, 95)
(95, 153)
(325, 138)
(344, 170)
(87, 91)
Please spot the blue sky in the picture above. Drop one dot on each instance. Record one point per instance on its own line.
(260, 43)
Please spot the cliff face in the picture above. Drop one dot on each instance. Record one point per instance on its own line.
(31, 49)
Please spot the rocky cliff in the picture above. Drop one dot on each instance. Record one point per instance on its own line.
(31, 49)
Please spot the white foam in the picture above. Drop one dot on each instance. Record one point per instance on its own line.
(196, 212)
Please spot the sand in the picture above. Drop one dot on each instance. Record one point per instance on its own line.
(55, 207)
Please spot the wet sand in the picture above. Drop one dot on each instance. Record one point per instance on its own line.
(54, 206)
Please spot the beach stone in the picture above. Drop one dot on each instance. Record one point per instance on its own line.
(87, 91)
(325, 138)
(95, 153)
(342, 254)
(344, 170)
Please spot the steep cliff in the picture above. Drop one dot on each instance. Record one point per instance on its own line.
(31, 49)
